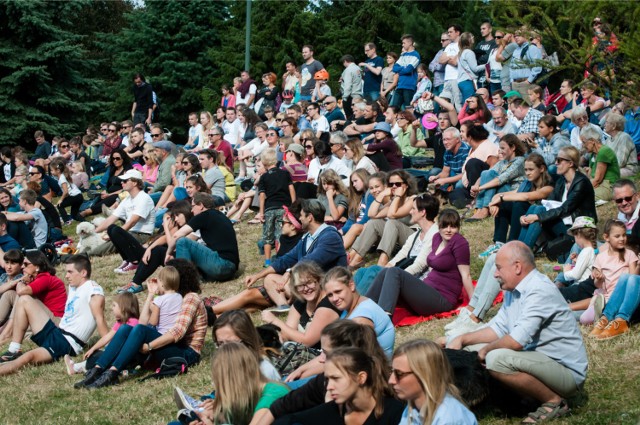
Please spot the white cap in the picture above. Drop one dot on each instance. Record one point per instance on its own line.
(131, 174)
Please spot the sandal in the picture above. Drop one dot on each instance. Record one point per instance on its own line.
(255, 221)
(558, 410)
(8, 356)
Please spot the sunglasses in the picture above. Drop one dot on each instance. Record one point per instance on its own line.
(278, 119)
(499, 37)
(303, 140)
(64, 146)
(35, 173)
(327, 103)
(103, 129)
(560, 159)
(185, 163)
(112, 130)
(624, 199)
(442, 41)
(308, 146)
(126, 126)
(396, 184)
(156, 134)
(271, 134)
(213, 134)
(399, 375)
(117, 158)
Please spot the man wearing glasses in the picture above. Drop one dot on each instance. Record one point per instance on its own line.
(319, 123)
(332, 112)
(125, 131)
(437, 68)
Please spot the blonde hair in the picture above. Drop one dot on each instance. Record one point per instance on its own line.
(432, 369)
(150, 152)
(329, 176)
(309, 270)
(268, 157)
(170, 278)
(79, 165)
(238, 383)
(357, 148)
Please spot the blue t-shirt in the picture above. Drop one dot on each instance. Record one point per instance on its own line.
(372, 81)
(385, 332)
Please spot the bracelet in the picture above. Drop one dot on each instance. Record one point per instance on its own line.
(149, 347)
(501, 198)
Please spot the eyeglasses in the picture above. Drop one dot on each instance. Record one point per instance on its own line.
(271, 134)
(117, 158)
(624, 199)
(396, 184)
(308, 146)
(311, 109)
(327, 103)
(284, 125)
(156, 134)
(306, 285)
(560, 159)
(282, 222)
(398, 119)
(399, 374)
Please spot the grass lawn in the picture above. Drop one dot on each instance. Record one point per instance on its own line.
(45, 394)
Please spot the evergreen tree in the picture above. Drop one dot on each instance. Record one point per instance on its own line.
(46, 78)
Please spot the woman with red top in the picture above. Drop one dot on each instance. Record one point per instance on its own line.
(113, 140)
(185, 339)
(40, 281)
(474, 110)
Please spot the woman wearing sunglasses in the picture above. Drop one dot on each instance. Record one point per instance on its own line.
(119, 163)
(113, 140)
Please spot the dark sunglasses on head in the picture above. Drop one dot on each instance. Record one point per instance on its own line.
(624, 199)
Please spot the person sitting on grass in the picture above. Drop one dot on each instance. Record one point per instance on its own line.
(322, 244)
(126, 311)
(38, 225)
(84, 312)
(131, 345)
(12, 265)
(533, 345)
(275, 190)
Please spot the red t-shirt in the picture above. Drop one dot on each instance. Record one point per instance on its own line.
(51, 291)
(227, 150)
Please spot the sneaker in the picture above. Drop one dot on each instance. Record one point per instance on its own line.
(615, 328)
(490, 250)
(598, 305)
(240, 179)
(107, 378)
(185, 401)
(69, 365)
(124, 288)
(135, 289)
(89, 378)
(600, 326)
(463, 312)
(466, 325)
(280, 309)
(129, 267)
(119, 268)
(9, 356)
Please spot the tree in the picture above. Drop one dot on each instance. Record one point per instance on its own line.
(167, 41)
(46, 78)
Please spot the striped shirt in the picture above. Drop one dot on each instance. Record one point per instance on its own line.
(455, 162)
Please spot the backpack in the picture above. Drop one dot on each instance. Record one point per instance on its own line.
(543, 77)
(171, 366)
(293, 356)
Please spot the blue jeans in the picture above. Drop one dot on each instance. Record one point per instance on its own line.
(530, 234)
(402, 98)
(625, 298)
(485, 196)
(208, 261)
(371, 96)
(466, 89)
(180, 193)
(424, 173)
(126, 343)
(294, 385)
(155, 196)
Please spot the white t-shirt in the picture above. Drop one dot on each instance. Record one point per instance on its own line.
(142, 206)
(195, 132)
(232, 131)
(125, 141)
(269, 370)
(252, 91)
(170, 306)
(72, 188)
(7, 171)
(78, 318)
(367, 164)
(335, 164)
(450, 71)
(320, 124)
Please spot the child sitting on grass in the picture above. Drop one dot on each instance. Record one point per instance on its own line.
(275, 190)
(163, 303)
(126, 311)
(585, 233)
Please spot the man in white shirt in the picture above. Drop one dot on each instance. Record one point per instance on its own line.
(450, 59)
(84, 311)
(246, 95)
(195, 130)
(319, 122)
(231, 127)
(326, 160)
(136, 210)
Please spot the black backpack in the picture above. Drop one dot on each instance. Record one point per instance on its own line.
(171, 366)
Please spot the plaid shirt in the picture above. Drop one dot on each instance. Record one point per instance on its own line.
(530, 122)
(191, 325)
(455, 162)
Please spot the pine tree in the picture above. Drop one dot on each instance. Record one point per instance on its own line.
(46, 78)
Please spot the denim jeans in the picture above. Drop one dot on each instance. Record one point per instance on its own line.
(402, 98)
(180, 193)
(424, 173)
(625, 298)
(508, 221)
(487, 289)
(159, 216)
(155, 196)
(126, 343)
(466, 89)
(208, 261)
(530, 234)
(371, 96)
(485, 196)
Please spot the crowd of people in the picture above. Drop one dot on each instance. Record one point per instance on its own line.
(384, 173)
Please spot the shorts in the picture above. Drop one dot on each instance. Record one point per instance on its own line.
(53, 340)
(271, 228)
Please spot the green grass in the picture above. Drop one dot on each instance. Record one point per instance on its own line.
(45, 394)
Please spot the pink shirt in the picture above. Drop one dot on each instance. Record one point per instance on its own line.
(131, 322)
(612, 268)
(482, 152)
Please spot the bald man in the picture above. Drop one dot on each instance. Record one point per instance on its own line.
(533, 345)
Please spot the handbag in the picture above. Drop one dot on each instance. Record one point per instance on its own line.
(294, 355)
(409, 260)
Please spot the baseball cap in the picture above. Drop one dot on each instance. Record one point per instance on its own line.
(164, 144)
(131, 174)
(294, 147)
(513, 93)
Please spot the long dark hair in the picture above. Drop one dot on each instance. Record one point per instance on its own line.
(126, 160)
(189, 276)
(38, 259)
